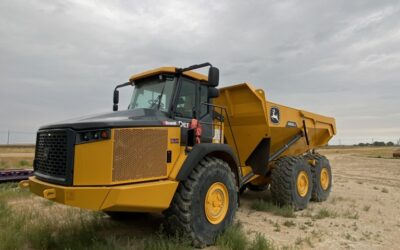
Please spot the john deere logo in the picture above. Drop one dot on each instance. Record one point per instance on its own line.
(46, 153)
(275, 115)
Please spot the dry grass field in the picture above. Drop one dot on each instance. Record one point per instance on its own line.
(361, 213)
(16, 157)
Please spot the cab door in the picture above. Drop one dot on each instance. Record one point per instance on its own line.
(205, 115)
(190, 104)
(185, 106)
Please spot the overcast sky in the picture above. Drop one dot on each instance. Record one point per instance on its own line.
(62, 59)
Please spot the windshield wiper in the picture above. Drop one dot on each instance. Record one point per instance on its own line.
(160, 96)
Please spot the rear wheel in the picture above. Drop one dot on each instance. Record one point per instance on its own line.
(291, 182)
(205, 203)
(322, 177)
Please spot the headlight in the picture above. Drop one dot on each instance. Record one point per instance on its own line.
(92, 136)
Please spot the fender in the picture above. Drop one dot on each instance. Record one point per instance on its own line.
(199, 151)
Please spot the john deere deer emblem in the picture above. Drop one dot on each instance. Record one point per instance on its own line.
(274, 114)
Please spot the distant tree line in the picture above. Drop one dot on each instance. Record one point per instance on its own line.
(376, 144)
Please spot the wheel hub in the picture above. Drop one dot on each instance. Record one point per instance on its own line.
(324, 178)
(302, 183)
(216, 203)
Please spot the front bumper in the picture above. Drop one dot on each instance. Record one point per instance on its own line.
(154, 196)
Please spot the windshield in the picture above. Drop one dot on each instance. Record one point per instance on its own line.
(153, 93)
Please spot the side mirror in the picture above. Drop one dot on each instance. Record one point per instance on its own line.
(116, 100)
(116, 94)
(213, 77)
(213, 92)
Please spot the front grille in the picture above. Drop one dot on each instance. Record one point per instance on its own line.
(52, 156)
(139, 153)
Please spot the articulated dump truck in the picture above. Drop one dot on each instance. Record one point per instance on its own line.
(187, 149)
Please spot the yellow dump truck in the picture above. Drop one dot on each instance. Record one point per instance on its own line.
(184, 148)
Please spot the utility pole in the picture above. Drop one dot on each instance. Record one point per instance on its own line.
(8, 137)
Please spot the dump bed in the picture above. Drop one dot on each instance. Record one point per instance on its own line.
(251, 119)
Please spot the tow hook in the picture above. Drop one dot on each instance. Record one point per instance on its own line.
(49, 193)
(23, 184)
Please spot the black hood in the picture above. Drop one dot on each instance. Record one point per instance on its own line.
(118, 119)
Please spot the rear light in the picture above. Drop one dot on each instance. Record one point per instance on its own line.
(92, 136)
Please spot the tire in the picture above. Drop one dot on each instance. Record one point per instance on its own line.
(291, 182)
(187, 213)
(321, 170)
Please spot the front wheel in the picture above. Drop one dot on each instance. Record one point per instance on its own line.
(205, 203)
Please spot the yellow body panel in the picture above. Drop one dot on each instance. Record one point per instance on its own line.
(83, 197)
(192, 74)
(320, 129)
(178, 152)
(248, 122)
(141, 197)
(246, 170)
(153, 196)
(93, 163)
(178, 164)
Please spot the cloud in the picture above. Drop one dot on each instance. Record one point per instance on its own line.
(61, 59)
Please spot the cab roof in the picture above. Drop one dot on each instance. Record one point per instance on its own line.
(191, 74)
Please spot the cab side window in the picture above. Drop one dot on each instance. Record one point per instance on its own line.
(186, 101)
(203, 100)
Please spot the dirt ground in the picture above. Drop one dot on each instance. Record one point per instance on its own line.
(362, 212)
